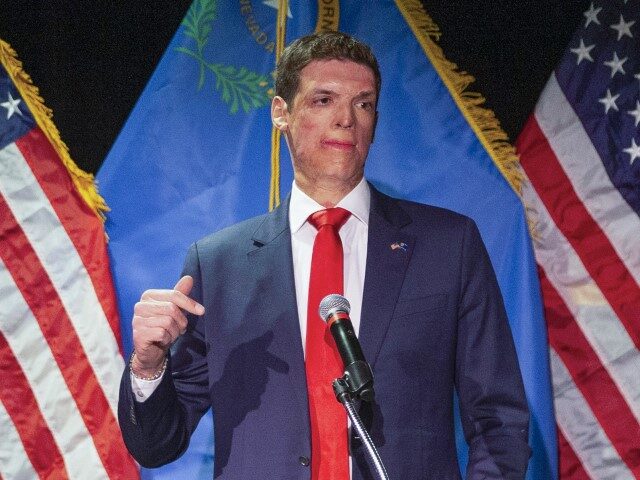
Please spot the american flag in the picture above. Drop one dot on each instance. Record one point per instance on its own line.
(580, 151)
(60, 360)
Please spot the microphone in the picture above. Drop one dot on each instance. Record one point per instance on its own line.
(334, 309)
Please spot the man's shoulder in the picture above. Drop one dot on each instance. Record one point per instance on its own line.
(235, 234)
(245, 235)
(422, 215)
(416, 209)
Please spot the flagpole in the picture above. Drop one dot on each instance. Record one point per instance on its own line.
(274, 187)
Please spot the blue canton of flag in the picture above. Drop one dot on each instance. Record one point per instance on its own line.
(601, 79)
(580, 151)
(15, 119)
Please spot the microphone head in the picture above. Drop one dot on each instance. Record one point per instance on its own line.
(331, 304)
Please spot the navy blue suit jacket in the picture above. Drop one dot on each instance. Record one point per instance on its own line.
(432, 320)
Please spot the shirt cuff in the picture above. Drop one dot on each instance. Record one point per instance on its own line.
(142, 389)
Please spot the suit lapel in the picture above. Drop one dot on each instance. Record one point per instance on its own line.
(388, 254)
(272, 258)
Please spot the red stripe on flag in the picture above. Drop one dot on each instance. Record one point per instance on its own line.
(600, 392)
(21, 405)
(583, 233)
(84, 228)
(42, 298)
(569, 464)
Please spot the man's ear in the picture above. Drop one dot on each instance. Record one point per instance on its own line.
(280, 114)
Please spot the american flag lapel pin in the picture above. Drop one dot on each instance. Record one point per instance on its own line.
(399, 245)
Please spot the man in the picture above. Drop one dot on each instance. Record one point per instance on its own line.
(428, 314)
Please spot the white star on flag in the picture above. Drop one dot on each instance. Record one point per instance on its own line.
(11, 105)
(583, 52)
(636, 113)
(592, 15)
(274, 4)
(616, 64)
(609, 102)
(623, 28)
(633, 150)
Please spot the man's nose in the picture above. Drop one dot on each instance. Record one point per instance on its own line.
(345, 116)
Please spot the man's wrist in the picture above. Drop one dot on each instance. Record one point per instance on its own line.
(147, 374)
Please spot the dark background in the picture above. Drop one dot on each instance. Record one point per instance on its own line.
(91, 59)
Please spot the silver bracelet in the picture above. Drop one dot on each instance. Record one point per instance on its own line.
(155, 376)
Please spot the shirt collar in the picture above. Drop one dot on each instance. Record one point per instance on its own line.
(357, 201)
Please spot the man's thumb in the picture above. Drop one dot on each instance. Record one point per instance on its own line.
(184, 285)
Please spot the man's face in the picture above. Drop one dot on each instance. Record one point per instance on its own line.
(330, 126)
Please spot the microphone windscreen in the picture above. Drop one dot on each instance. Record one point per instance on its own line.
(333, 303)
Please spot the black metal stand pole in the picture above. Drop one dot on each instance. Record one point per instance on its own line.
(343, 394)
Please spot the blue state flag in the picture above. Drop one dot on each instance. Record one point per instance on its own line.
(194, 157)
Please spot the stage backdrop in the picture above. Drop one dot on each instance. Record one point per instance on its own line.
(194, 157)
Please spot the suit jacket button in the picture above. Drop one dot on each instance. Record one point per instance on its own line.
(304, 461)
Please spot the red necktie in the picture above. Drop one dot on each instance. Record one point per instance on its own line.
(329, 451)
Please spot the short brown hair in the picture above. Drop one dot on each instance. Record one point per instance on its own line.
(320, 46)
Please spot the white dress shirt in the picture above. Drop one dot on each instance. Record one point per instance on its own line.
(354, 246)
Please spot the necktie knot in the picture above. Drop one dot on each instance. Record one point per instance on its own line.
(331, 216)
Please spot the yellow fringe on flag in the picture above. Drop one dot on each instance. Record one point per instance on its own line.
(482, 120)
(274, 187)
(83, 181)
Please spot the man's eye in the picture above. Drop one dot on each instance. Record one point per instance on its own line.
(322, 101)
(365, 105)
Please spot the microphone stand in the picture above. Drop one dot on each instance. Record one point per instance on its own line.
(344, 395)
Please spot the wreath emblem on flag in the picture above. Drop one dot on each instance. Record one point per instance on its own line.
(239, 87)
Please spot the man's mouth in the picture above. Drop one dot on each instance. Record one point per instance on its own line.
(339, 144)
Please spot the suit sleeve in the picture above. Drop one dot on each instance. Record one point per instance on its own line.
(157, 431)
(493, 406)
